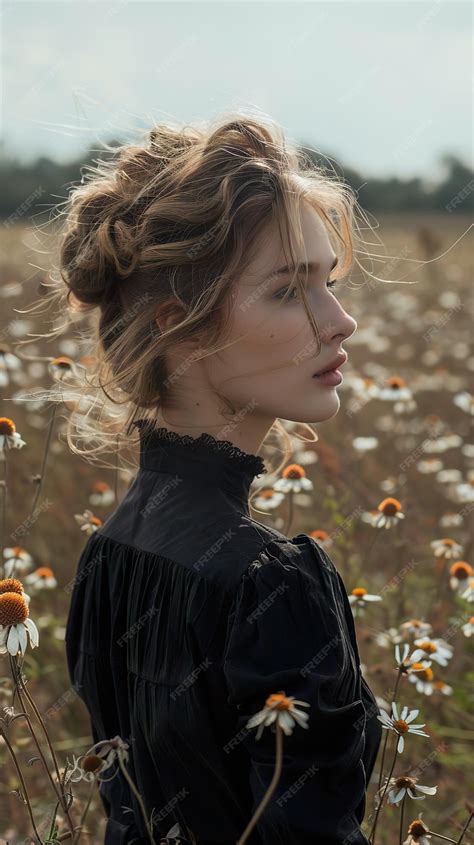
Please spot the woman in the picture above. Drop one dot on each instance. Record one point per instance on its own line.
(210, 258)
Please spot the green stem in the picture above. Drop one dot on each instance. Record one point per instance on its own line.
(276, 776)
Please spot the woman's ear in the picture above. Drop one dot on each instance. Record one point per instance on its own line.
(168, 314)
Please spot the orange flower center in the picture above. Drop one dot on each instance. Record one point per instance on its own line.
(319, 534)
(461, 569)
(63, 362)
(395, 382)
(417, 828)
(94, 520)
(294, 471)
(359, 591)
(439, 684)
(7, 426)
(401, 726)
(268, 493)
(429, 647)
(471, 620)
(13, 609)
(11, 585)
(389, 506)
(425, 674)
(101, 486)
(278, 701)
(44, 572)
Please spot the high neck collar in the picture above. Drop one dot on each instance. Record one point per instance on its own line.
(204, 459)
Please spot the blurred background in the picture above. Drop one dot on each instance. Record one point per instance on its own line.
(382, 93)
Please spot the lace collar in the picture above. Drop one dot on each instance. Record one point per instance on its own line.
(198, 454)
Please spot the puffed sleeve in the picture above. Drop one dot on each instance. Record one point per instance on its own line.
(286, 633)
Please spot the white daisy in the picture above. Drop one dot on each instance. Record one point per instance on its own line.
(465, 401)
(421, 674)
(294, 479)
(9, 437)
(281, 709)
(468, 627)
(389, 513)
(401, 724)
(406, 785)
(88, 522)
(365, 444)
(268, 499)
(102, 494)
(446, 547)
(395, 390)
(468, 593)
(416, 626)
(437, 650)
(387, 638)
(429, 465)
(15, 626)
(42, 578)
(358, 599)
(17, 560)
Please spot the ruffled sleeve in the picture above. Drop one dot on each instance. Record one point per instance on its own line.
(287, 633)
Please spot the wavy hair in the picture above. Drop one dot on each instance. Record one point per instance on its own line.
(167, 224)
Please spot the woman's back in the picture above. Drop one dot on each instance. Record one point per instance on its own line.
(186, 615)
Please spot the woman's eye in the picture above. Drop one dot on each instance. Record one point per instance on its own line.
(295, 294)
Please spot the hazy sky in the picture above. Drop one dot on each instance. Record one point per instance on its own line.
(385, 87)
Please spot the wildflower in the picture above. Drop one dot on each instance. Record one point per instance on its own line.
(449, 476)
(451, 519)
(406, 785)
(429, 465)
(465, 401)
(281, 709)
(401, 724)
(359, 596)
(365, 444)
(401, 660)
(15, 626)
(468, 627)
(98, 759)
(418, 833)
(468, 593)
(395, 390)
(62, 367)
(416, 626)
(390, 512)
(444, 689)
(13, 585)
(421, 674)
(268, 499)
(102, 494)
(294, 479)
(387, 638)
(446, 547)
(460, 572)
(88, 522)
(437, 650)
(322, 538)
(41, 578)
(17, 558)
(9, 437)
(465, 491)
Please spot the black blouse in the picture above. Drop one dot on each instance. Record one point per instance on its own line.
(186, 614)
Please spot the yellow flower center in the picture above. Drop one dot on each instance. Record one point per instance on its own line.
(278, 701)
(294, 471)
(13, 609)
(7, 426)
(11, 585)
(389, 506)
(359, 591)
(425, 674)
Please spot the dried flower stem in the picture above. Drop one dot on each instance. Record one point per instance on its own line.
(20, 687)
(270, 790)
(149, 827)
(372, 832)
(394, 698)
(45, 456)
(23, 784)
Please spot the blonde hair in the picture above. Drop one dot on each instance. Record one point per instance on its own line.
(170, 223)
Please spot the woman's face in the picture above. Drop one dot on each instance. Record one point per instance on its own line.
(269, 373)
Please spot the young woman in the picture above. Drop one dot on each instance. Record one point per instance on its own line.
(209, 257)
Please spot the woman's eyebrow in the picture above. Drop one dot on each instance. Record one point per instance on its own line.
(313, 267)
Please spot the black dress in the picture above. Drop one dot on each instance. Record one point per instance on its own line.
(186, 614)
